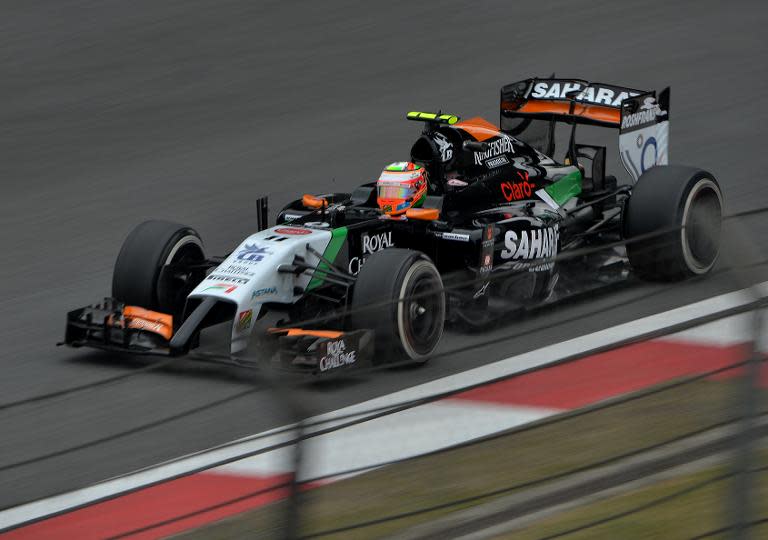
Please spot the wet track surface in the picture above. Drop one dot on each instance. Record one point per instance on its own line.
(115, 112)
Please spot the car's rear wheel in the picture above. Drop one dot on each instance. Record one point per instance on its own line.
(158, 266)
(399, 294)
(685, 202)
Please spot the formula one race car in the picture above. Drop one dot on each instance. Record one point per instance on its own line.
(479, 222)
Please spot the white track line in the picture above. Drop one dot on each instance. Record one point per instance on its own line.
(546, 355)
(396, 436)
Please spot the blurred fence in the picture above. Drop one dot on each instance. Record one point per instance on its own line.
(485, 483)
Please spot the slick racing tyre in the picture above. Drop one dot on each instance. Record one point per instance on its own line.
(399, 294)
(684, 201)
(153, 268)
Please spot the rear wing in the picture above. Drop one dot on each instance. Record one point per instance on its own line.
(574, 100)
(642, 121)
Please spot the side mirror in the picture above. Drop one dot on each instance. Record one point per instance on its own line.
(315, 203)
(423, 214)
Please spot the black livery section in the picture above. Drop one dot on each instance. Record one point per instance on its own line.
(499, 210)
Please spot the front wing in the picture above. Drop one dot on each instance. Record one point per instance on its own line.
(113, 326)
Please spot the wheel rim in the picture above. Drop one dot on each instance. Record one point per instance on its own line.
(174, 285)
(421, 313)
(701, 232)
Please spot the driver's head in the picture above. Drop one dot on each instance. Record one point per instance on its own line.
(401, 186)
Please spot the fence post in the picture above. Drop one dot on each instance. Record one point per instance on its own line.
(744, 459)
(297, 412)
(293, 510)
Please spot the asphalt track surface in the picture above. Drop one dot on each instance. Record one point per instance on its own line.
(112, 112)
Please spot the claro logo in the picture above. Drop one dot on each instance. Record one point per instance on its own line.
(531, 244)
(516, 191)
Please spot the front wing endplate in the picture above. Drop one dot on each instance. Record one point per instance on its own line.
(323, 352)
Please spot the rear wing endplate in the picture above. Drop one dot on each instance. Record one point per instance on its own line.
(644, 132)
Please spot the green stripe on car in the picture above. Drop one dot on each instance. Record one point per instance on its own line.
(338, 236)
(566, 188)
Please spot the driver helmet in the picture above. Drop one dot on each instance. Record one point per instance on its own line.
(401, 186)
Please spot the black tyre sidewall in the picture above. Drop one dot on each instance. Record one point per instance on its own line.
(140, 262)
(375, 300)
(657, 203)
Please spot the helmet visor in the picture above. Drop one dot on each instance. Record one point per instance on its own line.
(394, 191)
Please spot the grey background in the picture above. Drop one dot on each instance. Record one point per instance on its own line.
(112, 112)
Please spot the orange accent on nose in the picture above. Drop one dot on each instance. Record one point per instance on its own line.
(424, 214)
(150, 321)
(330, 334)
(310, 201)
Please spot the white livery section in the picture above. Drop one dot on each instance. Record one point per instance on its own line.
(248, 277)
(644, 133)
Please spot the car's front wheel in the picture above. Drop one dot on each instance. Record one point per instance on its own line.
(158, 266)
(399, 294)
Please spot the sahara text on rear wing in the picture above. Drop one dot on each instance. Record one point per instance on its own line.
(641, 118)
